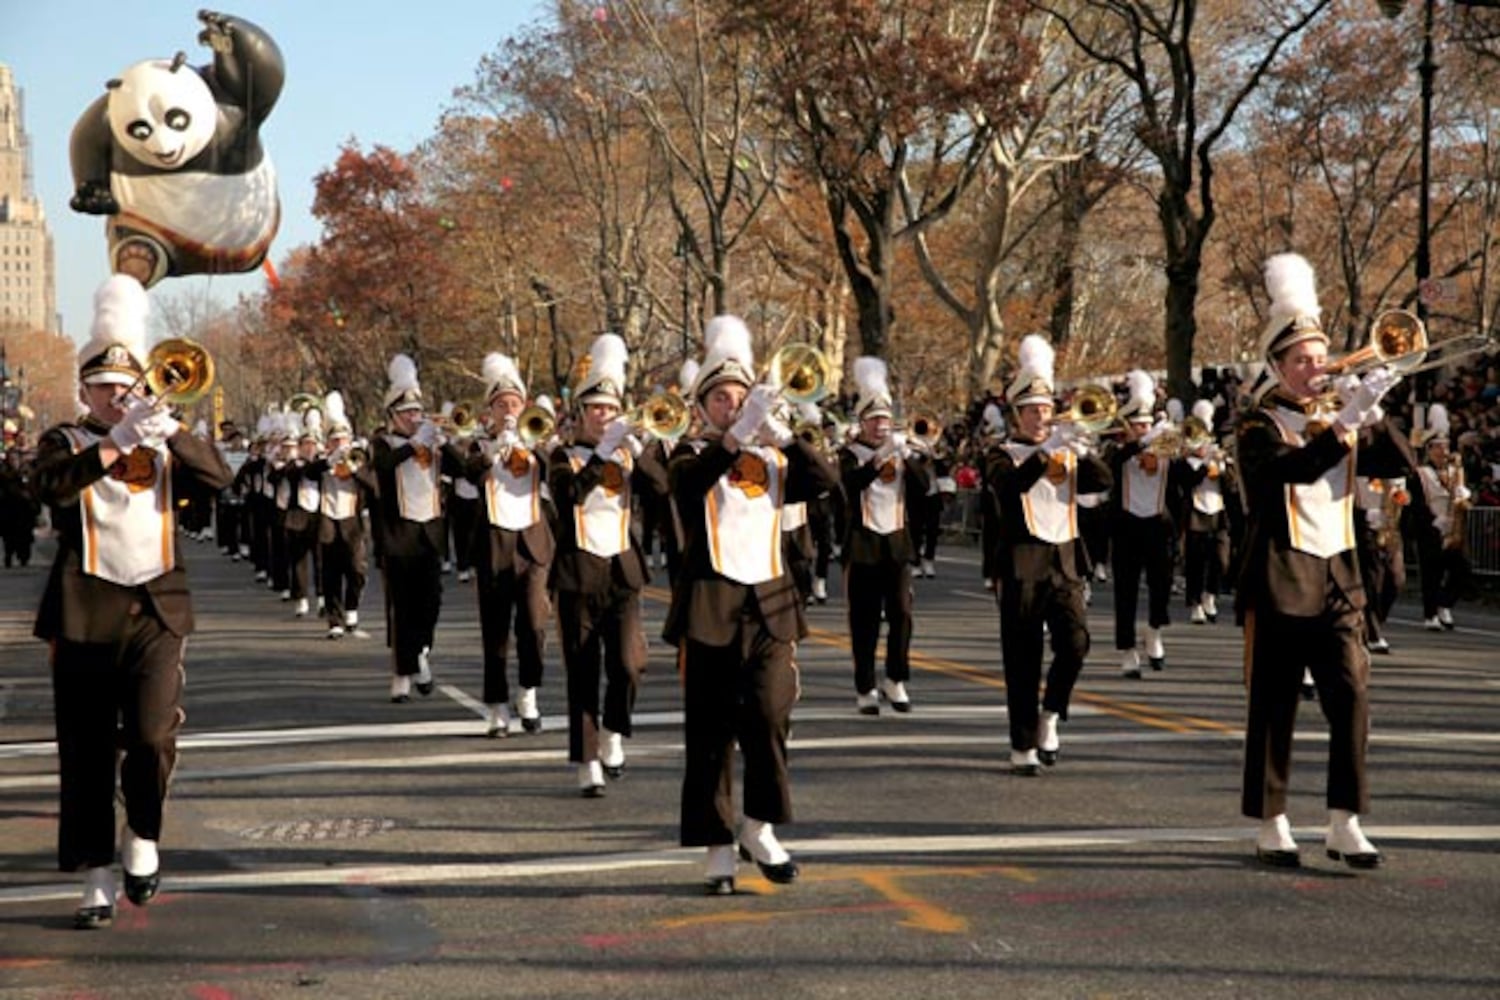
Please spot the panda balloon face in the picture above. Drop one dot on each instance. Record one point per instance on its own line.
(161, 115)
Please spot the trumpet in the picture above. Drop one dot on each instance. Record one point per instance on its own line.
(535, 425)
(1092, 410)
(801, 373)
(179, 372)
(349, 460)
(464, 418)
(665, 415)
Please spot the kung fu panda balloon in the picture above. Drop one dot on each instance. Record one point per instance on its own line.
(172, 155)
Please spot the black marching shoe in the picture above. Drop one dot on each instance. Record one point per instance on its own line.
(1025, 763)
(141, 889)
(762, 836)
(1274, 845)
(97, 908)
(1347, 842)
(719, 878)
(91, 918)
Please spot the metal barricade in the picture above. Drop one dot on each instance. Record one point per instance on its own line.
(1482, 540)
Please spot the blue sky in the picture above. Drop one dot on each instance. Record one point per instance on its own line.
(377, 71)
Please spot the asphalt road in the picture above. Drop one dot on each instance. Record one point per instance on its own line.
(324, 842)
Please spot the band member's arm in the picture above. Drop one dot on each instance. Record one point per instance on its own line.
(1385, 453)
(855, 475)
(917, 472)
(1270, 463)
(692, 473)
(569, 487)
(1003, 477)
(809, 474)
(199, 460)
(61, 475)
(454, 460)
(1094, 474)
(385, 458)
(650, 474)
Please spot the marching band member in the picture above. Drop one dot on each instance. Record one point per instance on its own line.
(1141, 503)
(881, 477)
(736, 614)
(463, 502)
(1206, 479)
(116, 609)
(512, 551)
(1382, 563)
(408, 460)
(1300, 597)
(598, 570)
(346, 489)
(1440, 541)
(303, 519)
(248, 482)
(279, 491)
(1040, 562)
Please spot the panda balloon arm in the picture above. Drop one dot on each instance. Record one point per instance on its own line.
(90, 149)
(248, 68)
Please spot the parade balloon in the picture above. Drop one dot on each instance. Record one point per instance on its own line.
(172, 156)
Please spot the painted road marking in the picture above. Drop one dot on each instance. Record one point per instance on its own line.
(847, 847)
(494, 757)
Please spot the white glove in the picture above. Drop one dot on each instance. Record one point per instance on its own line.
(610, 440)
(894, 446)
(426, 435)
(157, 426)
(1061, 439)
(753, 412)
(775, 433)
(127, 433)
(1462, 495)
(1157, 430)
(1362, 407)
(1345, 386)
(633, 445)
(1373, 416)
(507, 439)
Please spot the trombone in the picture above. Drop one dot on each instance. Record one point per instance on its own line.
(179, 372)
(801, 373)
(464, 418)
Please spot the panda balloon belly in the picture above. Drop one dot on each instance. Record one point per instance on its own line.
(197, 223)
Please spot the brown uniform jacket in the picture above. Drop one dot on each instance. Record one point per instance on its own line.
(707, 606)
(1018, 554)
(83, 608)
(573, 569)
(1274, 576)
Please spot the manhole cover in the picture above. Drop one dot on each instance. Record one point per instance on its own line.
(343, 828)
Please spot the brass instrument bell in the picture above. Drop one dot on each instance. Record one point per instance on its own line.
(179, 372)
(535, 425)
(801, 372)
(1398, 339)
(926, 427)
(665, 415)
(464, 417)
(1092, 410)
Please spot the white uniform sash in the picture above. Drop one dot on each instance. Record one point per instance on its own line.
(340, 497)
(883, 502)
(1320, 514)
(1208, 498)
(417, 495)
(282, 490)
(513, 490)
(309, 494)
(1143, 493)
(1050, 507)
(601, 520)
(128, 531)
(743, 515)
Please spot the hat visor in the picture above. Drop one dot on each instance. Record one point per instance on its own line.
(1033, 398)
(110, 378)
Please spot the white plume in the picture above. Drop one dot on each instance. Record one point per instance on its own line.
(871, 376)
(1036, 356)
(687, 375)
(402, 373)
(312, 422)
(727, 338)
(333, 405)
(607, 356)
(1142, 388)
(1437, 421)
(1203, 409)
(498, 368)
(993, 419)
(1293, 288)
(1174, 410)
(121, 309)
(545, 402)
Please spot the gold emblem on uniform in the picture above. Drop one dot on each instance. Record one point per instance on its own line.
(612, 480)
(422, 454)
(1057, 468)
(136, 470)
(519, 462)
(748, 475)
(888, 471)
(116, 356)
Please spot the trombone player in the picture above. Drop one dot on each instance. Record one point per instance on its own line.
(1207, 479)
(1039, 560)
(1300, 597)
(116, 608)
(512, 544)
(347, 484)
